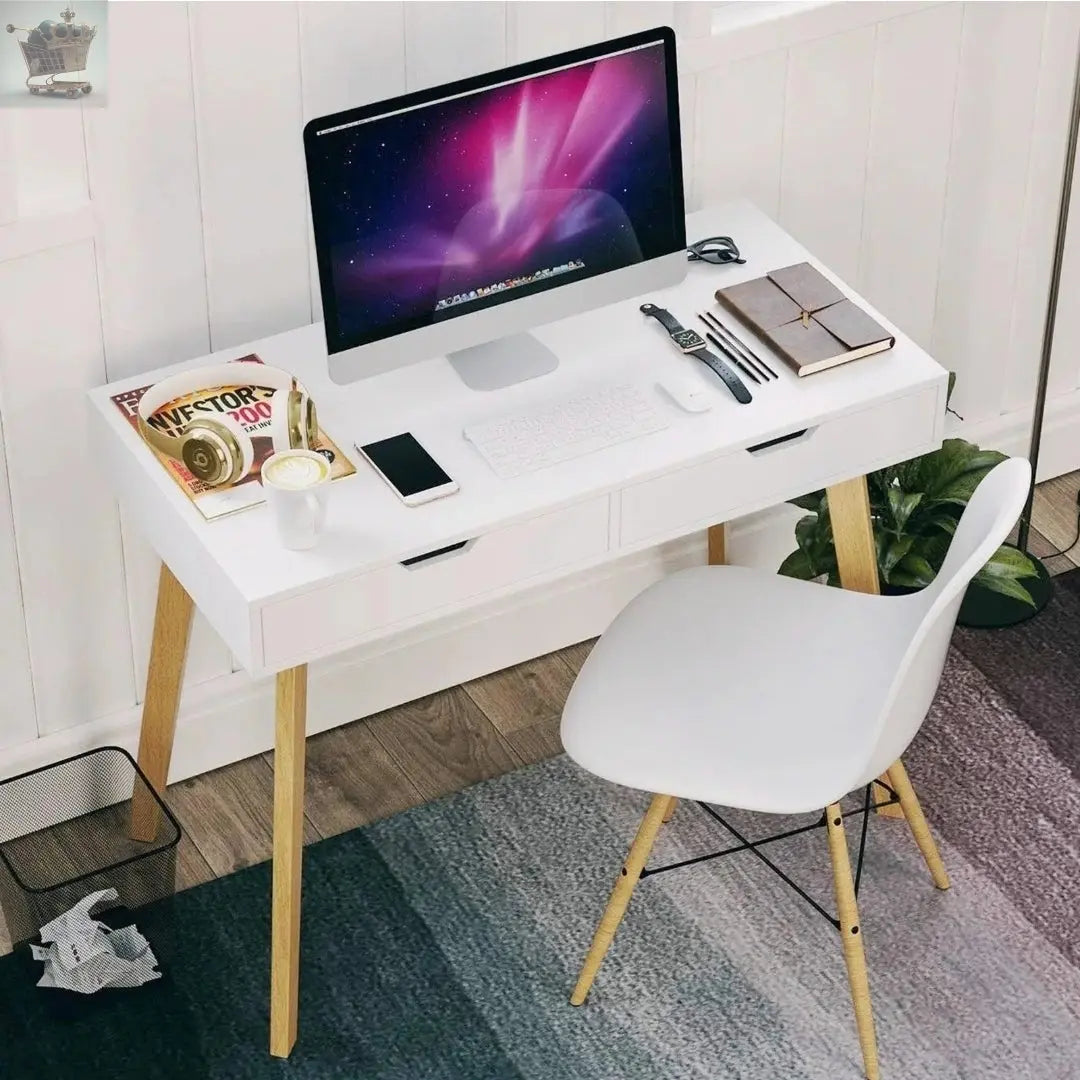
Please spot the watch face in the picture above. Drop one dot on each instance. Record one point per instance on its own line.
(688, 340)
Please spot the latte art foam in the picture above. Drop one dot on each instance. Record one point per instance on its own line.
(296, 473)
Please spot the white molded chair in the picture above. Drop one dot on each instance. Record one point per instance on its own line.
(708, 686)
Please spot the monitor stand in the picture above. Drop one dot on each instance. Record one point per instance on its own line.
(503, 362)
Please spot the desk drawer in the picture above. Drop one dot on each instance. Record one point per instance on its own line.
(334, 616)
(739, 483)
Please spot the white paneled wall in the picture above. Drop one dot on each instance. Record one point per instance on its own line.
(985, 193)
(67, 532)
(916, 147)
(907, 163)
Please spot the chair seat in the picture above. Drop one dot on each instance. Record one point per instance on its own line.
(738, 687)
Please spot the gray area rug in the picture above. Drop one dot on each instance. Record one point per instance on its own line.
(443, 943)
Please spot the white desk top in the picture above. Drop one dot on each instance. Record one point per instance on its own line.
(369, 527)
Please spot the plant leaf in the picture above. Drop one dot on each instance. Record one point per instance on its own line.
(916, 569)
(1010, 562)
(1007, 586)
(902, 505)
(895, 551)
(878, 485)
(906, 581)
(808, 502)
(797, 565)
(806, 533)
(907, 473)
(963, 487)
(952, 473)
(933, 547)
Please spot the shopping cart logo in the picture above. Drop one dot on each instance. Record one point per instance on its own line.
(55, 52)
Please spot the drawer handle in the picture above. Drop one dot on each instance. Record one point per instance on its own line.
(439, 554)
(781, 440)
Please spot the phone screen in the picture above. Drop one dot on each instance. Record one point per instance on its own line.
(406, 464)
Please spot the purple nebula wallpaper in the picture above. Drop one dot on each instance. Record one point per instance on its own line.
(454, 206)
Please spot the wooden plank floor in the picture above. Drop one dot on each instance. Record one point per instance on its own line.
(382, 765)
(422, 750)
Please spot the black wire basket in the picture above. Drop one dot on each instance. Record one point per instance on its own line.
(65, 832)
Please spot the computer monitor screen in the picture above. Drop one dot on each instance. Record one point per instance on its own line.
(448, 202)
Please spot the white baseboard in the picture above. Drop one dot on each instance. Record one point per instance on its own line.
(232, 717)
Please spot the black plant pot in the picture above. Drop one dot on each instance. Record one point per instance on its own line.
(986, 610)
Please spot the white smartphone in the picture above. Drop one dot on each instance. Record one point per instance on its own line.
(408, 468)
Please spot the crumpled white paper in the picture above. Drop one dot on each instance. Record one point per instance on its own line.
(84, 955)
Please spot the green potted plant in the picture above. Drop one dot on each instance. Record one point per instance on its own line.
(915, 507)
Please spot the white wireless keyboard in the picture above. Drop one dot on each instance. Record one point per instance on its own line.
(567, 429)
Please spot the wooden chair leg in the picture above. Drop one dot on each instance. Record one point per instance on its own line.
(289, 753)
(880, 794)
(898, 779)
(168, 653)
(850, 932)
(856, 561)
(672, 807)
(620, 896)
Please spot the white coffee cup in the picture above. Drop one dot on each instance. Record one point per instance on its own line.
(297, 486)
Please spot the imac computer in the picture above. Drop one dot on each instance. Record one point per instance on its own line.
(449, 221)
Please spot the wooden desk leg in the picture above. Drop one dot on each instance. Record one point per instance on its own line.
(717, 545)
(291, 728)
(856, 557)
(168, 652)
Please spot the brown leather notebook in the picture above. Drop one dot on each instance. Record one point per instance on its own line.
(806, 318)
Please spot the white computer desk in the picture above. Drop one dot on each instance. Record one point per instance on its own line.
(278, 610)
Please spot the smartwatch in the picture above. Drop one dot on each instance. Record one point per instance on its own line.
(693, 344)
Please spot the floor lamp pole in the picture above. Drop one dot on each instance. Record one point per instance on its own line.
(981, 607)
(1052, 305)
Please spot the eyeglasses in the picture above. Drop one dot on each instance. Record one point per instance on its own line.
(716, 250)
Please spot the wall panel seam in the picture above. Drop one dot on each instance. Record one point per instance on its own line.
(307, 232)
(783, 138)
(17, 556)
(124, 581)
(86, 154)
(199, 176)
(1040, 86)
(860, 265)
(948, 167)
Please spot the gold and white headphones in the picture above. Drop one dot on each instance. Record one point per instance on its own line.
(214, 445)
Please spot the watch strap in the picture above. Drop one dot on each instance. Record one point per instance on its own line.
(663, 317)
(732, 381)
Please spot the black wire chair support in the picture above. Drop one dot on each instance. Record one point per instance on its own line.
(754, 846)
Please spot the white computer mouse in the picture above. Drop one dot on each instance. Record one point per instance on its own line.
(689, 393)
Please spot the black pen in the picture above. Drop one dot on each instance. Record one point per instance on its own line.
(751, 356)
(726, 351)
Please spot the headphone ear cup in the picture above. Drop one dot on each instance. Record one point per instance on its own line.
(307, 420)
(217, 451)
(293, 423)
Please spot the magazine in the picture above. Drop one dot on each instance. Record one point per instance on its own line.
(252, 410)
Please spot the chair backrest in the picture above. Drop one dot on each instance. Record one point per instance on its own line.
(987, 520)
